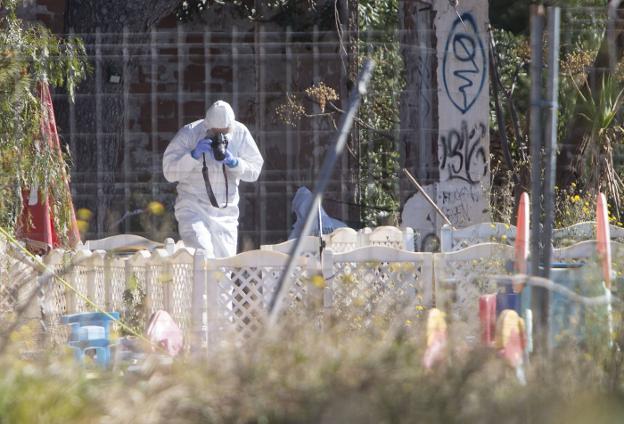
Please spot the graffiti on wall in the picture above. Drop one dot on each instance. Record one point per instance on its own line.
(464, 49)
(459, 203)
(463, 138)
(463, 153)
(463, 110)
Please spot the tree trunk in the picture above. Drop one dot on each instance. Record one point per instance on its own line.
(418, 144)
(99, 166)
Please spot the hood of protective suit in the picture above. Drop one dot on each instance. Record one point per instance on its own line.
(219, 115)
(300, 205)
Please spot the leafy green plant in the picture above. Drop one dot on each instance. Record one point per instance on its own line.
(28, 54)
(134, 307)
(597, 147)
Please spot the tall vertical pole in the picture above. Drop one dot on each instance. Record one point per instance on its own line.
(71, 104)
(125, 81)
(181, 61)
(261, 127)
(156, 166)
(537, 29)
(101, 199)
(550, 136)
(290, 163)
(538, 296)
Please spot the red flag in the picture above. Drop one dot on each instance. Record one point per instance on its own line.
(36, 224)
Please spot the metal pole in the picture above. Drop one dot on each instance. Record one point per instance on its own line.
(550, 136)
(99, 137)
(539, 305)
(324, 176)
(611, 33)
(537, 29)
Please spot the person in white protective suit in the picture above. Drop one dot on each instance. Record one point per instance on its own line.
(201, 223)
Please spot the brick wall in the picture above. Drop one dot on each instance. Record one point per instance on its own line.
(180, 71)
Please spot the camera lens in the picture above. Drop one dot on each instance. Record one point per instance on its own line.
(219, 146)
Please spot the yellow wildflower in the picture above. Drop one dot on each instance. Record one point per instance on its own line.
(83, 226)
(155, 208)
(318, 281)
(84, 214)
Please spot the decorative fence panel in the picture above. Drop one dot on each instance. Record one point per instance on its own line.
(391, 237)
(18, 283)
(376, 280)
(453, 239)
(211, 297)
(582, 231)
(311, 247)
(241, 288)
(462, 276)
(56, 299)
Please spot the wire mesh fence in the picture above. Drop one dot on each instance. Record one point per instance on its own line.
(146, 86)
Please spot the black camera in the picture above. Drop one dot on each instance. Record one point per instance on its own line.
(219, 146)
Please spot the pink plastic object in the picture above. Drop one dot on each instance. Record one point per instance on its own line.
(603, 237)
(510, 337)
(163, 331)
(521, 246)
(487, 317)
(436, 339)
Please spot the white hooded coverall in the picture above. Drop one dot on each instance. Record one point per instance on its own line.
(200, 224)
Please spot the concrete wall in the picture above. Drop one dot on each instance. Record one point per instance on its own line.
(462, 87)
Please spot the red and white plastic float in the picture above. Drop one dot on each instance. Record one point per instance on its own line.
(603, 238)
(511, 341)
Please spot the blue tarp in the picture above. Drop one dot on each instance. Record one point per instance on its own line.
(300, 205)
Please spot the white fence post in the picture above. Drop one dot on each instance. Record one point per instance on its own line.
(328, 271)
(94, 264)
(446, 238)
(169, 246)
(198, 296)
(108, 282)
(408, 239)
(74, 276)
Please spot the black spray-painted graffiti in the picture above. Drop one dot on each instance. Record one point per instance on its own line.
(462, 204)
(463, 153)
(465, 63)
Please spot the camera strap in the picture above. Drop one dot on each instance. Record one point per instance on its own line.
(211, 195)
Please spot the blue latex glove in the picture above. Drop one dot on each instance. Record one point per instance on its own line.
(230, 161)
(203, 146)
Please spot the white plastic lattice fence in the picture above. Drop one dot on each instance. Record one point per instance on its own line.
(462, 276)
(376, 280)
(345, 239)
(453, 239)
(310, 249)
(582, 231)
(390, 237)
(208, 297)
(240, 290)
(18, 282)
